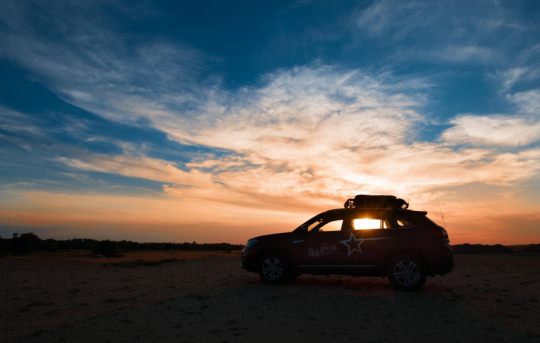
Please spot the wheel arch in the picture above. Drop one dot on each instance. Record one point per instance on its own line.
(413, 252)
(265, 250)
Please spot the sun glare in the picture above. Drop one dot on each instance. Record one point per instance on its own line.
(366, 224)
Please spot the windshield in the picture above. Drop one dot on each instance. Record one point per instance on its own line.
(323, 219)
(313, 225)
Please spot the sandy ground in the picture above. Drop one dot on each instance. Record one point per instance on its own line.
(207, 297)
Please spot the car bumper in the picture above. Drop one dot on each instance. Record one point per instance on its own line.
(441, 265)
(249, 261)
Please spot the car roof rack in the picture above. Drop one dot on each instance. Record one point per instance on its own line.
(376, 201)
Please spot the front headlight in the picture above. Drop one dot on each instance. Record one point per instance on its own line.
(250, 243)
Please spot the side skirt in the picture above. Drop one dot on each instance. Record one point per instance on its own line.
(359, 269)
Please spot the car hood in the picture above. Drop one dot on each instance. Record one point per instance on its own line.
(273, 236)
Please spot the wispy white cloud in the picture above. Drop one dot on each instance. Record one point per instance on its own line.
(13, 121)
(493, 130)
(528, 102)
(443, 18)
(512, 76)
(463, 54)
(446, 31)
(90, 65)
(397, 17)
(519, 129)
(139, 167)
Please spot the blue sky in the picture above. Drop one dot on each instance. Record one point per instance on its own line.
(280, 109)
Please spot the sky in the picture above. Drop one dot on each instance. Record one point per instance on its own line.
(218, 121)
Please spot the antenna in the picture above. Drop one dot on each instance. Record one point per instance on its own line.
(442, 215)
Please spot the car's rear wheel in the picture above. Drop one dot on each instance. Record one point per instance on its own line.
(407, 273)
(274, 268)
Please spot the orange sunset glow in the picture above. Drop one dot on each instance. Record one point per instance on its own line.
(188, 135)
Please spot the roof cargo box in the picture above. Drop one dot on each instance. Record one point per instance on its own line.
(376, 201)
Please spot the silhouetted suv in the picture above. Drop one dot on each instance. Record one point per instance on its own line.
(404, 245)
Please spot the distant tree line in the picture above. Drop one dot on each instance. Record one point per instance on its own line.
(30, 242)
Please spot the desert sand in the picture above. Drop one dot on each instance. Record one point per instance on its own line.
(207, 297)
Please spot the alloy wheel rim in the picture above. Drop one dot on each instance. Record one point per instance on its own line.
(272, 268)
(407, 273)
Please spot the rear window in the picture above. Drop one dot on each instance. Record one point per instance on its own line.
(431, 221)
(404, 222)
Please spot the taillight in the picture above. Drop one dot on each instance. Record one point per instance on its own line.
(439, 232)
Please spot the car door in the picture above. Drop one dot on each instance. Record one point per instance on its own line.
(319, 250)
(409, 234)
(367, 246)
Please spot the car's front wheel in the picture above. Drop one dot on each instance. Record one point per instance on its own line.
(407, 273)
(274, 268)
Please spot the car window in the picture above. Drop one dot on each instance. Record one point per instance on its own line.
(331, 226)
(314, 224)
(404, 222)
(326, 224)
(368, 224)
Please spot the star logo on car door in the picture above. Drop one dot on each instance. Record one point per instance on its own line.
(351, 244)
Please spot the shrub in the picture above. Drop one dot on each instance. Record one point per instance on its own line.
(49, 245)
(105, 248)
(25, 243)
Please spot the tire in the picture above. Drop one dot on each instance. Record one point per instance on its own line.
(274, 268)
(407, 273)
